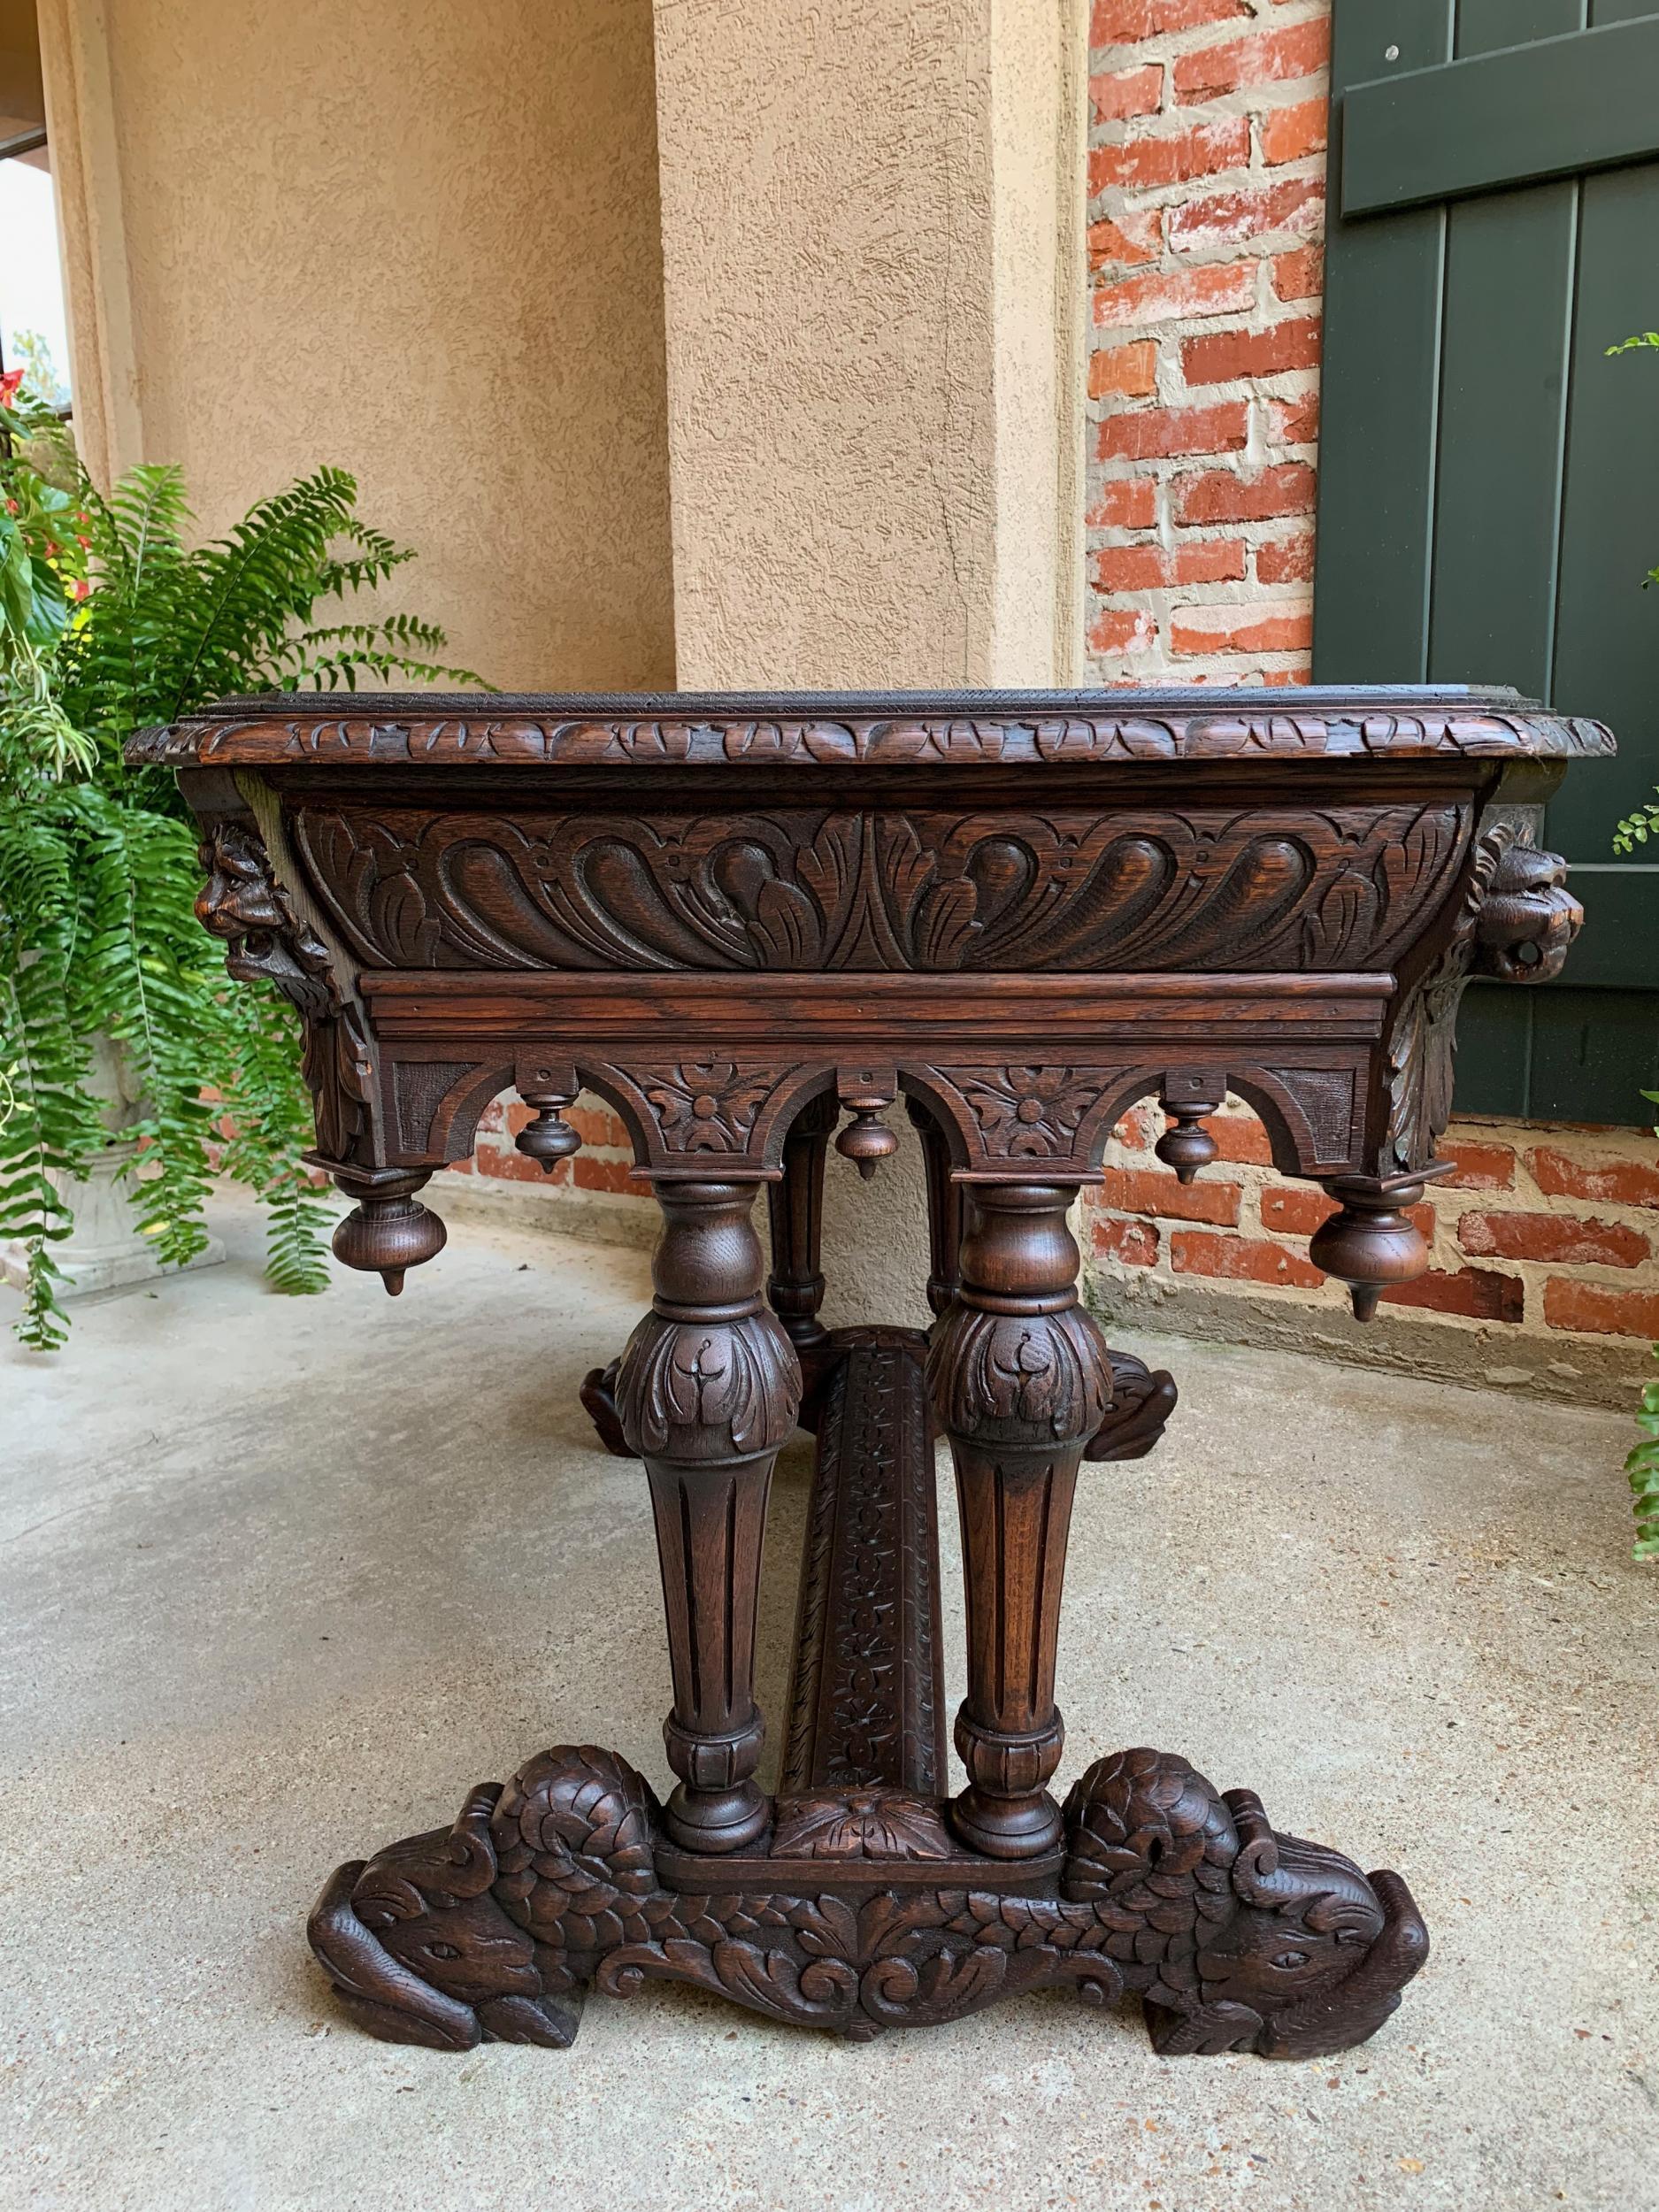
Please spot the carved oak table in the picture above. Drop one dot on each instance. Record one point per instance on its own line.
(740, 919)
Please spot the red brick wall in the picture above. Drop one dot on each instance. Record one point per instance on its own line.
(1206, 210)
(1542, 1251)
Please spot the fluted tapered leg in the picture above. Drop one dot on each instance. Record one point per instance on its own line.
(1021, 1380)
(707, 1391)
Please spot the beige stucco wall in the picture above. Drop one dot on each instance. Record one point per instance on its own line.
(415, 239)
(870, 226)
(873, 251)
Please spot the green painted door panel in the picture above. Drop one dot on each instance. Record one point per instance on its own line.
(1550, 1054)
(1489, 479)
(1555, 108)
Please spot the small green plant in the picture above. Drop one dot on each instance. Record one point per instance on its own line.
(1642, 1464)
(109, 621)
(1642, 1467)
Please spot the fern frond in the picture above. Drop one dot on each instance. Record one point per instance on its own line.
(268, 1117)
(109, 621)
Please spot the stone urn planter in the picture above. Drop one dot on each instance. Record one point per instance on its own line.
(105, 1250)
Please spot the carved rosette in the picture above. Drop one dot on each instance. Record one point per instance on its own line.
(1029, 1113)
(707, 1105)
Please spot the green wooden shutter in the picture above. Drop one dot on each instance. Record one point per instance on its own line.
(1488, 478)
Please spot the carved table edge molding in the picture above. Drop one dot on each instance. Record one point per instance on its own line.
(824, 729)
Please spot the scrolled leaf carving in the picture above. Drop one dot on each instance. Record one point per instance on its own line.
(860, 1825)
(708, 1390)
(1034, 1379)
(1268, 889)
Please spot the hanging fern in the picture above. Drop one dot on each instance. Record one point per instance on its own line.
(109, 621)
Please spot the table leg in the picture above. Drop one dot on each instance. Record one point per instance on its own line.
(944, 1210)
(794, 1209)
(1021, 1382)
(794, 1287)
(708, 1390)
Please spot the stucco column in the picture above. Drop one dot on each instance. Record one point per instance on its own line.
(872, 244)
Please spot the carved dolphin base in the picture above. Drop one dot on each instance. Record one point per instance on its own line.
(862, 1912)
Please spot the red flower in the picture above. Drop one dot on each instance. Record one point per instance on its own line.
(9, 384)
(80, 587)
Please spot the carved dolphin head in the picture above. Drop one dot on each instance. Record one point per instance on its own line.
(1317, 1950)
(1304, 1922)
(427, 1900)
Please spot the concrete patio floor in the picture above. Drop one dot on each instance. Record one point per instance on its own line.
(281, 1578)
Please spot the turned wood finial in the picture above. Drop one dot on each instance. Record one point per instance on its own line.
(1372, 1243)
(387, 1232)
(867, 1141)
(1187, 1096)
(550, 1138)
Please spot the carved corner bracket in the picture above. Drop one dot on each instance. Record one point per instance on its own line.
(244, 904)
(1514, 922)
